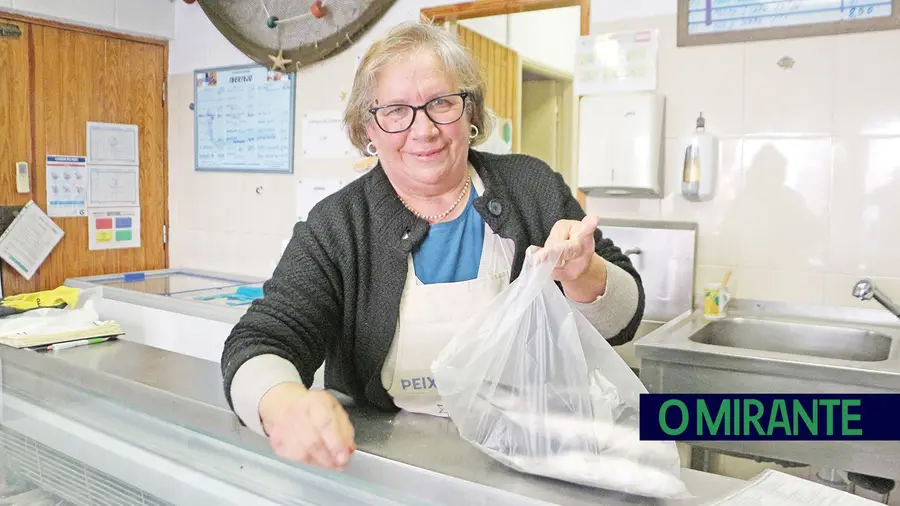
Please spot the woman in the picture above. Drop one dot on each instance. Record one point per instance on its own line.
(383, 271)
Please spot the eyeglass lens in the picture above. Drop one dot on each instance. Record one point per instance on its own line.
(441, 110)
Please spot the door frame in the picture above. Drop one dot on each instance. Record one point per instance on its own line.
(484, 8)
(21, 18)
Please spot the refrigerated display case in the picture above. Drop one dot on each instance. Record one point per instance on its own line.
(120, 423)
(65, 444)
(205, 294)
(187, 311)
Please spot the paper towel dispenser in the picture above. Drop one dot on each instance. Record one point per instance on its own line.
(620, 144)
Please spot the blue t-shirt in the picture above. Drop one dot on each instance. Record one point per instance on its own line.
(451, 252)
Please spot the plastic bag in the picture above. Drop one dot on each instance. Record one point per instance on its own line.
(533, 384)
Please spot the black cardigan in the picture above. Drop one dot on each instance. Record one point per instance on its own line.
(335, 293)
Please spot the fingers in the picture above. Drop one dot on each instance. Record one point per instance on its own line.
(559, 233)
(322, 420)
(314, 429)
(567, 239)
(588, 225)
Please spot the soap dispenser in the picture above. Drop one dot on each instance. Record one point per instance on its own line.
(701, 160)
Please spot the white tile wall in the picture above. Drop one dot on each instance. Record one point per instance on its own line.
(217, 220)
(808, 198)
(150, 18)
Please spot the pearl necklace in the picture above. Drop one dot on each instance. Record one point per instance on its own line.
(438, 217)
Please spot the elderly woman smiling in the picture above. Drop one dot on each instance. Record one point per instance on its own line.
(382, 273)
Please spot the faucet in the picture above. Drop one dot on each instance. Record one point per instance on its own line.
(865, 289)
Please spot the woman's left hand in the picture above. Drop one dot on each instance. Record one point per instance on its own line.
(574, 240)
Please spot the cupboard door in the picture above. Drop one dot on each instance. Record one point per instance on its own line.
(15, 130)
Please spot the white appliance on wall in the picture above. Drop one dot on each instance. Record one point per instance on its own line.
(620, 145)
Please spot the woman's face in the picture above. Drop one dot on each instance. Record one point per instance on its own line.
(426, 154)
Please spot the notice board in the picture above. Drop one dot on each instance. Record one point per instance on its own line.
(244, 119)
(729, 21)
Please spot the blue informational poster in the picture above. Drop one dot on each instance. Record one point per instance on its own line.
(244, 120)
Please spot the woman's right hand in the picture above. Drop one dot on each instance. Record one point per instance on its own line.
(307, 426)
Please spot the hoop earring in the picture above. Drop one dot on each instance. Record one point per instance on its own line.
(474, 130)
(370, 149)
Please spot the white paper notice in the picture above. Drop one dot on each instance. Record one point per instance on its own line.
(112, 144)
(774, 487)
(29, 239)
(311, 191)
(616, 62)
(113, 186)
(114, 228)
(324, 136)
(66, 186)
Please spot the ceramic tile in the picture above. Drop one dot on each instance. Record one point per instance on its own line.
(865, 202)
(704, 79)
(265, 212)
(839, 290)
(146, 16)
(796, 100)
(866, 80)
(779, 285)
(620, 207)
(781, 211)
(219, 209)
(89, 12)
(718, 235)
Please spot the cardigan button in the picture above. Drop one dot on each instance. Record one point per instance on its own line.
(495, 207)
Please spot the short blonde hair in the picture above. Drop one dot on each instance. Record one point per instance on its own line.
(409, 38)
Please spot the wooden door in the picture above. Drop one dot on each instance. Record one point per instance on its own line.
(77, 76)
(15, 126)
(503, 77)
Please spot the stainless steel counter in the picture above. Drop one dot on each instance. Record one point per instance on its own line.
(412, 454)
(775, 347)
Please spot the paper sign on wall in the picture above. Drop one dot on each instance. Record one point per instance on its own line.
(113, 186)
(112, 144)
(66, 186)
(114, 228)
(324, 136)
(616, 62)
(27, 242)
(312, 191)
(113, 197)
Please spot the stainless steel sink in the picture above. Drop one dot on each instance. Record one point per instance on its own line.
(816, 340)
(772, 347)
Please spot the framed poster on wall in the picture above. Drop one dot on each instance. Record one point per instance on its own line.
(244, 119)
(728, 21)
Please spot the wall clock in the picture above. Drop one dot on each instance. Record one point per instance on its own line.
(287, 35)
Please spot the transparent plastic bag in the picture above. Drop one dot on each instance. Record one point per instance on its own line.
(533, 384)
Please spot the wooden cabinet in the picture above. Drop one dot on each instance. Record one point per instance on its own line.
(53, 80)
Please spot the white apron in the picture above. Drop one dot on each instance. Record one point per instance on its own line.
(429, 317)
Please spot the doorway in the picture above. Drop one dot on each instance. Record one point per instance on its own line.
(528, 50)
(548, 118)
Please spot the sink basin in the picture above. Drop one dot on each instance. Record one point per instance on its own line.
(843, 343)
(646, 327)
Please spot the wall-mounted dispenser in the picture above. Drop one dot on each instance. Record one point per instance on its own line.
(701, 164)
(620, 144)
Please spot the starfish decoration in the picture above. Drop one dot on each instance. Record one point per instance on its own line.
(279, 62)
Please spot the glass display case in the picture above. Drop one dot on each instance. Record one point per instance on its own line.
(63, 444)
(210, 295)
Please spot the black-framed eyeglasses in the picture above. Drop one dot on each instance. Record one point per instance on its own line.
(443, 110)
